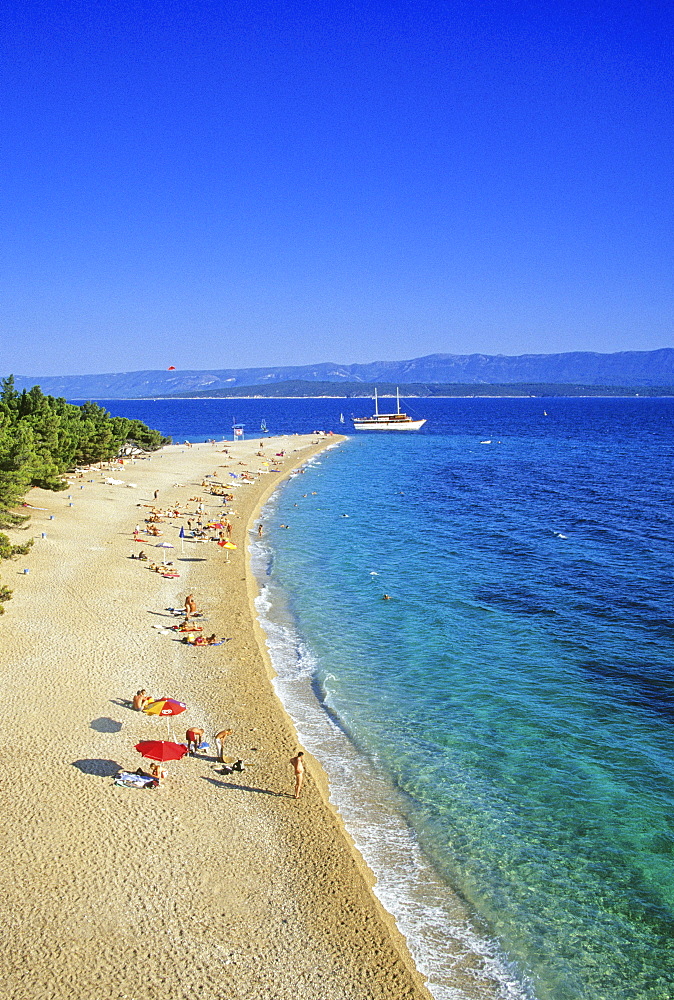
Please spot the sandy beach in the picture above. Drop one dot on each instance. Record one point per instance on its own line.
(212, 885)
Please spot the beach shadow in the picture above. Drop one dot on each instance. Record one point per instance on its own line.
(123, 703)
(241, 788)
(105, 725)
(191, 559)
(98, 768)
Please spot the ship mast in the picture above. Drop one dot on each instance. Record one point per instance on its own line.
(376, 403)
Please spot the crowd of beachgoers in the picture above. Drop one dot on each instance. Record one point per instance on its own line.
(204, 517)
(198, 521)
(215, 882)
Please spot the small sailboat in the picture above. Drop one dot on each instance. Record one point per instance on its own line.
(341, 418)
(263, 426)
(387, 421)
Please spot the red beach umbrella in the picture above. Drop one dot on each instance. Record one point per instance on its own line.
(164, 706)
(161, 750)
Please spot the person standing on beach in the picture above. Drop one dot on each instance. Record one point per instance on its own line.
(194, 739)
(219, 739)
(190, 606)
(298, 768)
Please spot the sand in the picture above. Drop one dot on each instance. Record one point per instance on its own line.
(211, 886)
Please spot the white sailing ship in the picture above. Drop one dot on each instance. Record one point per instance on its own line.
(387, 421)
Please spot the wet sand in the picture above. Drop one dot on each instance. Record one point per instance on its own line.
(213, 885)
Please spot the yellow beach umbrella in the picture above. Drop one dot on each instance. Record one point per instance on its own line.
(227, 545)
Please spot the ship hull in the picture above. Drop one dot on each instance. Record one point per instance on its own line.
(382, 424)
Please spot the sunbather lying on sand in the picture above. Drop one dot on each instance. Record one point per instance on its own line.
(201, 640)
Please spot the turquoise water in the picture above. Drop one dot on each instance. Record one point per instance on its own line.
(513, 701)
(499, 734)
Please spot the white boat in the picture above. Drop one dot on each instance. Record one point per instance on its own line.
(387, 421)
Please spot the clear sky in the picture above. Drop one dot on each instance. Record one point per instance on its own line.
(228, 184)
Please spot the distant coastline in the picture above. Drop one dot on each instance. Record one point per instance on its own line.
(458, 391)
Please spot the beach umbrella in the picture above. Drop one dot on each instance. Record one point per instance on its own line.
(226, 545)
(161, 750)
(166, 707)
(164, 545)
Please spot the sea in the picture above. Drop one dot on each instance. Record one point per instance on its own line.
(498, 729)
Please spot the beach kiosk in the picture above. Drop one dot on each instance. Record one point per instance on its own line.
(238, 432)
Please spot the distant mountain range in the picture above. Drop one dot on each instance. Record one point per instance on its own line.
(626, 368)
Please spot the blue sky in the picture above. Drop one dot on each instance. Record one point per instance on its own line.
(214, 184)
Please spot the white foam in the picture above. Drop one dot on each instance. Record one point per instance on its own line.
(459, 962)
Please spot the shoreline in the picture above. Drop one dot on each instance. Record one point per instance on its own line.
(447, 944)
(209, 887)
(407, 395)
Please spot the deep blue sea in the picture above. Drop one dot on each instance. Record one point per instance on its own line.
(499, 734)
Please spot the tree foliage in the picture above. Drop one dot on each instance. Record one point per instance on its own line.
(42, 437)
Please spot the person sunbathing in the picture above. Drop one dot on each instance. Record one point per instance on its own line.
(206, 640)
(141, 699)
(158, 772)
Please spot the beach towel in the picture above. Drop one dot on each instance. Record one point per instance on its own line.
(130, 780)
